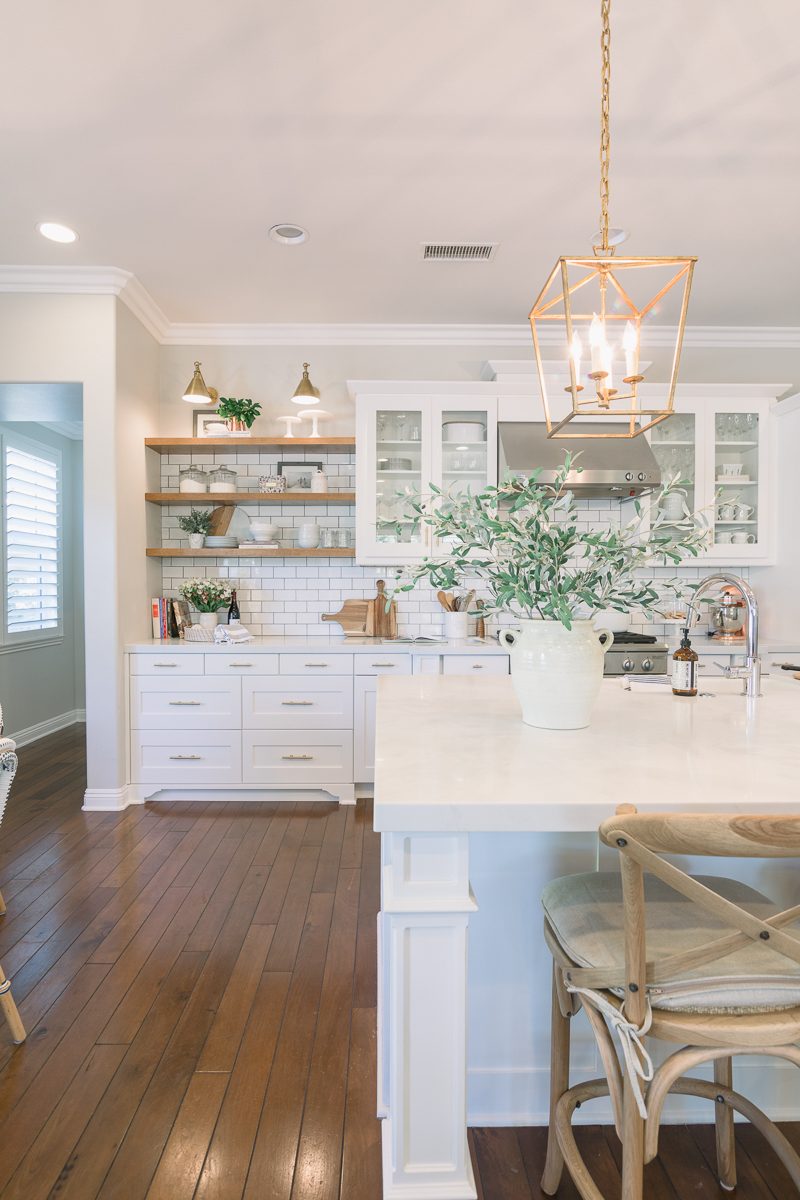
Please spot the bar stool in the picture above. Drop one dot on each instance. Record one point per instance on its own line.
(8, 769)
(704, 962)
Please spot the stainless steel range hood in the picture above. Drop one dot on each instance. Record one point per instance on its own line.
(607, 468)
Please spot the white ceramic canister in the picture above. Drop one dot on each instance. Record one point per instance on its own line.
(556, 672)
(308, 535)
(455, 625)
(319, 481)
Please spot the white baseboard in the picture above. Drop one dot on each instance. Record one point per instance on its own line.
(107, 799)
(32, 734)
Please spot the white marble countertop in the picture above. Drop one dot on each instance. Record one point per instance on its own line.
(452, 754)
(766, 647)
(328, 645)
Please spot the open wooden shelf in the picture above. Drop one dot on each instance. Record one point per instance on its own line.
(165, 445)
(221, 498)
(255, 552)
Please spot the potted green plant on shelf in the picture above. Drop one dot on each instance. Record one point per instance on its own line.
(198, 525)
(207, 597)
(525, 543)
(238, 415)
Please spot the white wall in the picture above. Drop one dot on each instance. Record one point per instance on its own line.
(44, 683)
(47, 338)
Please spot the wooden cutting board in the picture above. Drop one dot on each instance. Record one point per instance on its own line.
(355, 616)
(385, 622)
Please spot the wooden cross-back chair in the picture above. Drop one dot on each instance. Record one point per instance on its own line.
(705, 962)
(8, 769)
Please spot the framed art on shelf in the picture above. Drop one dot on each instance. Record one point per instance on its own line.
(298, 474)
(206, 422)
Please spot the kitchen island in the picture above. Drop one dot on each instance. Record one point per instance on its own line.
(477, 812)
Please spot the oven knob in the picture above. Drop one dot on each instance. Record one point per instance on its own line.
(647, 664)
(641, 477)
(629, 476)
(627, 665)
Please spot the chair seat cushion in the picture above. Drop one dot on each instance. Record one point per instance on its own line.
(585, 913)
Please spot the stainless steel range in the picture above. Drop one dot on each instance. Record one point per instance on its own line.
(636, 654)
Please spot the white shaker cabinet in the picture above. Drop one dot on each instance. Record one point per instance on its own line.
(405, 443)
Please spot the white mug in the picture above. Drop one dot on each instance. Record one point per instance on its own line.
(308, 535)
(741, 538)
(744, 511)
(725, 512)
(731, 468)
(724, 538)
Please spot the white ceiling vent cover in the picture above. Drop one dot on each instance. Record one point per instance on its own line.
(459, 251)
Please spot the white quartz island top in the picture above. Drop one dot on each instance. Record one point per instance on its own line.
(452, 755)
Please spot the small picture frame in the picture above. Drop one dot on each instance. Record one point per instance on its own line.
(202, 418)
(298, 474)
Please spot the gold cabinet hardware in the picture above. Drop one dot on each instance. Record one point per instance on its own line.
(302, 702)
(240, 664)
(186, 757)
(165, 664)
(316, 664)
(383, 664)
(303, 756)
(477, 666)
(190, 703)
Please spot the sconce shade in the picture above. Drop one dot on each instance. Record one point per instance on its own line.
(305, 393)
(196, 391)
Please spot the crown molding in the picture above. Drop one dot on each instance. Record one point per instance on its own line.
(114, 281)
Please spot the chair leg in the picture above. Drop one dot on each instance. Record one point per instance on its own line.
(723, 1118)
(2, 906)
(10, 1011)
(559, 1083)
(632, 1146)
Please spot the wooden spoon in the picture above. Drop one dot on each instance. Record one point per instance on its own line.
(442, 598)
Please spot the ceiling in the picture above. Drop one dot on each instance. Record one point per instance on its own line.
(172, 135)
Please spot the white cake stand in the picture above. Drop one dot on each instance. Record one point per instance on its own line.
(290, 421)
(315, 415)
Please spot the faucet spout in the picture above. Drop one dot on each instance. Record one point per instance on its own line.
(752, 675)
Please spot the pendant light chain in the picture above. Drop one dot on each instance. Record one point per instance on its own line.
(605, 124)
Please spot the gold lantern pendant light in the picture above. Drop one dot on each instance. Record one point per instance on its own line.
(599, 303)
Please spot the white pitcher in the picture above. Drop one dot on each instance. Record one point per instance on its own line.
(556, 672)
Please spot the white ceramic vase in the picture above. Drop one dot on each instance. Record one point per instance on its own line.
(196, 541)
(556, 672)
(208, 620)
(308, 536)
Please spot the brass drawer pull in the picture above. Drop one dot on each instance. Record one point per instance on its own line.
(191, 703)
(383, 664)
(186, 757)
(240, 664)
(165, 664)
(297, 701)
(303, 756)
(316, 664)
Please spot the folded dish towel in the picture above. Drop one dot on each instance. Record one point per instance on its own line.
(235, 634)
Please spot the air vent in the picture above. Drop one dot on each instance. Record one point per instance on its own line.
(459, 251)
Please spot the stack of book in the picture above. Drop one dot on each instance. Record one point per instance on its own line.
(170, 617)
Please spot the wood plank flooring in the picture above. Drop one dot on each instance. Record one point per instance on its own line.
(198, 984)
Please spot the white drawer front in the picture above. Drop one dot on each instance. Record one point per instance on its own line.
(297, 702)
(207, 703)
(167, 665)
(314, 663)
(475, 664)
(241, 663)
(178, 757)
(313, 757)
(382, 664)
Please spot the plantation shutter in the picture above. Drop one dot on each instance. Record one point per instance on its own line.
(31, 539)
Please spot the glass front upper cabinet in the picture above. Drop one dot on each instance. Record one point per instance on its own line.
(398, 475)
(736, 480)
(674, 444)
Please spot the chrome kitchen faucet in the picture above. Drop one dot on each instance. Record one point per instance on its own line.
(751, 672)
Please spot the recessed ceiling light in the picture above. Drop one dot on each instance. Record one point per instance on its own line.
(288, 234)
(56, 233)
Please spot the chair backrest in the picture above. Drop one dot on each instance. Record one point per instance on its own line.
(8, 769)
(641, 838)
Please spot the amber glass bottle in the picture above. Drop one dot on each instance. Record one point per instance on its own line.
(684, 668)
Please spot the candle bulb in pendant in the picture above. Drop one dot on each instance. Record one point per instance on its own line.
(630, 344)
(598, 344)
(575, 353)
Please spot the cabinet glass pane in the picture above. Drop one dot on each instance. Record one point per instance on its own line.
(736, 438)
(398, 473)
(674, 445)
(465, 465)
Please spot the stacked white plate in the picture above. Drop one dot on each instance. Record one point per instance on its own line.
(219, 542)
(258, 542)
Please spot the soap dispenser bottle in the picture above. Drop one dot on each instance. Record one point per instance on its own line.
(684, 668)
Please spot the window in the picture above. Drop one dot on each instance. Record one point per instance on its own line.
(31, 540)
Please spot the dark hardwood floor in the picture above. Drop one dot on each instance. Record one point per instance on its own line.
(198, 985)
